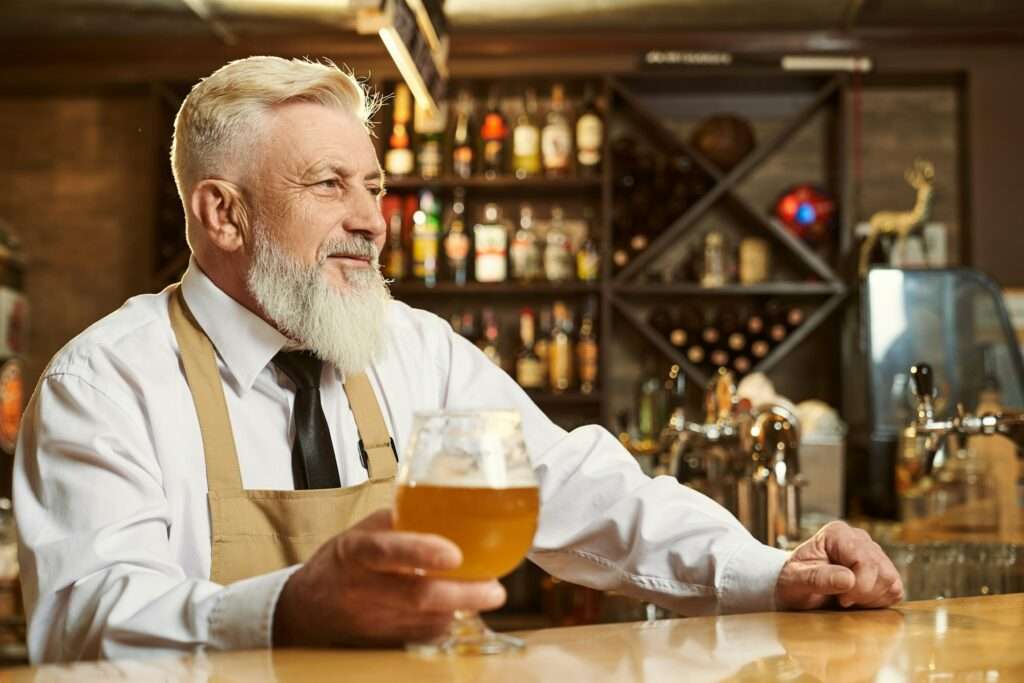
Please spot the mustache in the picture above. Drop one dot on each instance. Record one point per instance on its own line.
(356, 246)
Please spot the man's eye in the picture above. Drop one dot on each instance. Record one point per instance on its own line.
(377, 191)
(330, 183)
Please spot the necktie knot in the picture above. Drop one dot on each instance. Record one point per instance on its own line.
(302, 368)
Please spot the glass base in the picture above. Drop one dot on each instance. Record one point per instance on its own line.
(467, 635)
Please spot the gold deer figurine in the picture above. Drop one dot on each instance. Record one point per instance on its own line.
(902, 224)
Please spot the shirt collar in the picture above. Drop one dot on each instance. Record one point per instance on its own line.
(244, 341)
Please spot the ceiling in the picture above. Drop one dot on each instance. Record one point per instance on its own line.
(226, 20)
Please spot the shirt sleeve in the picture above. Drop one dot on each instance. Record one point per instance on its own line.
(97, 570)
(607, 525)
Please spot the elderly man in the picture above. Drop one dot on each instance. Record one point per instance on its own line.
(208, 466)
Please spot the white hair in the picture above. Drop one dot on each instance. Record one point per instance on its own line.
(346, 328)
(222, 114)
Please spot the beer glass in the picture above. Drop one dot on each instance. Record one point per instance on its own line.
(466, 476)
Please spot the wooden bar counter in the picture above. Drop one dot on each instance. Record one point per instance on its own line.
(966, 639)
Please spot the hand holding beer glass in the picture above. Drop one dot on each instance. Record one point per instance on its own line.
(466, 476)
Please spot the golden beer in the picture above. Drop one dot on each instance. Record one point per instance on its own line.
(494, 528)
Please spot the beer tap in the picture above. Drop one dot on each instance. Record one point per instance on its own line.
(748, 463)
(963, 424)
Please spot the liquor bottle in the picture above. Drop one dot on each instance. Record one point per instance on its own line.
(588, 258)
(589, 136)
(558, 262)
(425, 237)
(399, 160)
(652, 411)
(525, 251)
(456, 241)
(531, 373)
(394, 262)
(556, 137)
(489, 341)
(526, 139)
(587, 351)
(462, 137)
(714, 273)
(429, 126)
(490, 238)
(543, 345)
(560, 352)
(493, 134)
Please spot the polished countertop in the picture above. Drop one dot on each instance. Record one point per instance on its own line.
(966, 639)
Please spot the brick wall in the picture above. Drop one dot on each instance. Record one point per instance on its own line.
(77, 177)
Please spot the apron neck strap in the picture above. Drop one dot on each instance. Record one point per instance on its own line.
(200, 362)
(376, 448)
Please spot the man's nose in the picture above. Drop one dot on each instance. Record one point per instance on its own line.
(366, 218)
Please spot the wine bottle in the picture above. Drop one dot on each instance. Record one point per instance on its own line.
(399, 160)
(426, 235)
(543, 345)
(741, 364)
(526, 139)
(462, 137)
(456, 241)
(558, 262)
(732, 334)
(588, 258)
(530, 371)
(429, 125)
(493, 134)
(589, 136)
(795, 317)
(556, 136)
(525, 252)
(775, 321)
(587, 350)
(394, 262)
(491, 241)
(560, 351)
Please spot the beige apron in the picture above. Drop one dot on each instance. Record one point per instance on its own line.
(254, 532)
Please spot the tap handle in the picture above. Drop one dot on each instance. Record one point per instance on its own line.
(922, 382)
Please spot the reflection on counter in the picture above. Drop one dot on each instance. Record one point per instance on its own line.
(974, 639)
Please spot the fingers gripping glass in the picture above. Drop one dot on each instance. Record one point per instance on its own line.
(467, 477)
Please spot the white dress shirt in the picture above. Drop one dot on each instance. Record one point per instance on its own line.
(110, 483)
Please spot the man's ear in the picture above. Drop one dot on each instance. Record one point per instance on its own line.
(221, 211)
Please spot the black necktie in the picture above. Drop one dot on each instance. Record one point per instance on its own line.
(313, 463)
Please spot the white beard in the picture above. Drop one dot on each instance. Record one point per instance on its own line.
(347, 329)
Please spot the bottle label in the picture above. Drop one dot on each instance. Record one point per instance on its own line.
(555, 146)
(526, 141)
(561, 364)
(588, 265)
(530, 373)
(456, 247)
(399, 161)
(462, 161)
(430, 159)
(587, 352)
(589, 134)
(491, 253)
(525, 259)
(557, 263)
(424, 254)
